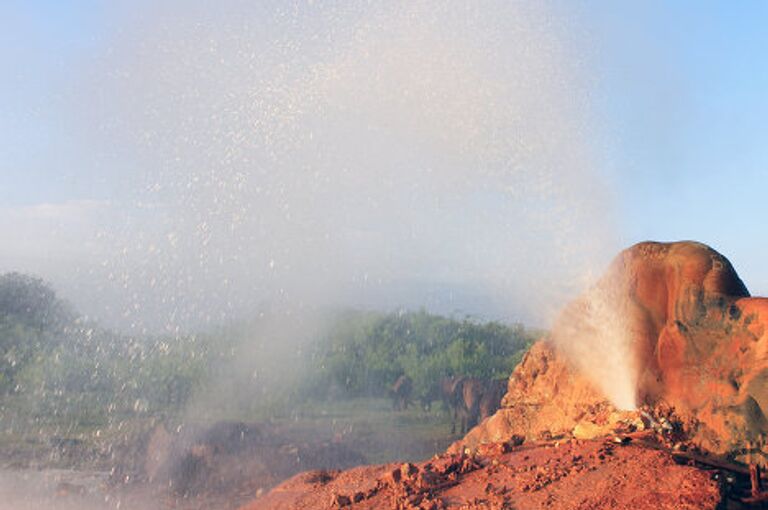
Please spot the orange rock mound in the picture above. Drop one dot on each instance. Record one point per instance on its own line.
(690, 341)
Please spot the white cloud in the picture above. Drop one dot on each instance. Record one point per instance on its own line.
(68, 211)
(50, 237)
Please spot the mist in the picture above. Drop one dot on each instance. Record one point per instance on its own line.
(414, 154)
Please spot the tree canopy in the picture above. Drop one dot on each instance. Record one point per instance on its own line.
(32, 321)
(365, 352)
(62, 364)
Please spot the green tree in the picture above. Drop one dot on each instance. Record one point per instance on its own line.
(365, 352)
(32, 302)
(32, 322)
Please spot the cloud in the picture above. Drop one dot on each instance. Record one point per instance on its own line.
(49, 237)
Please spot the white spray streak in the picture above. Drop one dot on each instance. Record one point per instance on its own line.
(594, 333)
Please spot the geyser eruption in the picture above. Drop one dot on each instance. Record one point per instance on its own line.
(302, 158)
(595, 333)
(404, 154)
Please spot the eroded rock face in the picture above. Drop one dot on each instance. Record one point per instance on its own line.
(670, 325)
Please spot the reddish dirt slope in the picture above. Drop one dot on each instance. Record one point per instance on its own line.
(572, 475)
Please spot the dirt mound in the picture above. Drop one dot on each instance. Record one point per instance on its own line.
(571, 475)
(670, 329)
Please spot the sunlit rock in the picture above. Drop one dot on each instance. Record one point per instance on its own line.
(670, 326)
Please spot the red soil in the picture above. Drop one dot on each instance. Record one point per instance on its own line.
(572, 475)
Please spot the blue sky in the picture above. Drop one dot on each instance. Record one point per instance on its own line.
(43, 48)
(679, 91)
(686, 90)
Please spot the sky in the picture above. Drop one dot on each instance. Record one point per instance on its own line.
(685, 96)
(121, 127)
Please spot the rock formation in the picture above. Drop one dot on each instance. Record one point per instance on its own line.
(672, 322)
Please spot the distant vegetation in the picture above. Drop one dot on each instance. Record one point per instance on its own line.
(32, 324)
(364, 353)
(56, 367)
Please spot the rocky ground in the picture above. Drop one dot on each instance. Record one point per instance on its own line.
(608, 473)
(638, 470)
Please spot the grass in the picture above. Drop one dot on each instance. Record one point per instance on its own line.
(371, 426)
(367, 425)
